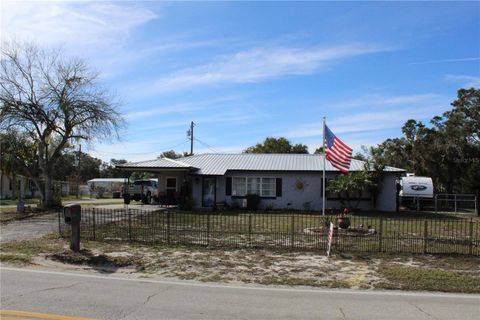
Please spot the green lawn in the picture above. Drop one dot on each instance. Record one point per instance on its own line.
(287, 231)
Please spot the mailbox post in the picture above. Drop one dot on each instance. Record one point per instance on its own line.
(72, 216)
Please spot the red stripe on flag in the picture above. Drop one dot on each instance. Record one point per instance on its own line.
(339, 154)
(343, 161)
(339, 165)
(343, 144)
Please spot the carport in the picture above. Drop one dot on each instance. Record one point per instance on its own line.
(172, 176)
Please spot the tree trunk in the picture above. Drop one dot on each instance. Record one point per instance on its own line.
(45, 166)
(13, 179)
(47, 193)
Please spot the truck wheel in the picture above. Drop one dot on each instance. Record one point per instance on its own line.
(126, 200)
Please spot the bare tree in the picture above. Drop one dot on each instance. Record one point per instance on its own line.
(52, 100)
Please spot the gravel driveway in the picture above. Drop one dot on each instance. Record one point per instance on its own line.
(29, 228)
(39, 226)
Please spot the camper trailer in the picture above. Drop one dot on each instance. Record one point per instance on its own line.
(416, 187)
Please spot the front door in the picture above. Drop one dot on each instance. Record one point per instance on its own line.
(208, 191)
(171, 190)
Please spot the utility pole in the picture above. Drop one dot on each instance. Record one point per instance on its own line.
(190, 135)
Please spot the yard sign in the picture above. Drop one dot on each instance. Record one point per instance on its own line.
(330, 239)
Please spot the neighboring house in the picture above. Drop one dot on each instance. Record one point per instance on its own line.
(12, 189)
(283, 181)
(24, 187)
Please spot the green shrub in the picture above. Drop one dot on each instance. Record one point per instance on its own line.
(186, 203)
(99, 192)
(57, 196)
(253, 201)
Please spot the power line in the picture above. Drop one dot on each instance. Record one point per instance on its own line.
(142, 153)
(208, 146)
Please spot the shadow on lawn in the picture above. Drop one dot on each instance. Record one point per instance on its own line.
(99, 262)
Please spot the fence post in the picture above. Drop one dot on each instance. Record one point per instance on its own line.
(475, 201)
(293, 231)
(470, 245)
(455, 202)
(380, 235)
(93, 216)
(250, 230)
(168, 226)
(129, 225)
(436, 207)
(425, 235)
(59, 225)
(208, 228)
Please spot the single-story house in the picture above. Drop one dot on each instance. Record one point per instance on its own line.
(283, 181)
(24, 187)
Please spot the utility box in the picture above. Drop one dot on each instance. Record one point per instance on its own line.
(72, 213)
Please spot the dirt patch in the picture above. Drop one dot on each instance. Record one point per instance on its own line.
(372, 271)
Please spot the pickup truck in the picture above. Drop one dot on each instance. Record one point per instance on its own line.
(140, 190)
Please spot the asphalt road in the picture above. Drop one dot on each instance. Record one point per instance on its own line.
(109, 297)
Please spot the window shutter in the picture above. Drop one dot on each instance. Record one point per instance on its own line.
(278, 191)
(228, 186)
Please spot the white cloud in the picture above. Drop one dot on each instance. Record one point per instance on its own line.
(77, 25)
(234, 114)
(378, 100)
(139, 149)
(256, 65)
(373, 113)
(467, 81)
(181, 107)
(448, 60)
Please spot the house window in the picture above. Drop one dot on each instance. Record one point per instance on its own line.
(254, 185)
(239, 186)
(268, 187)
(264, 187)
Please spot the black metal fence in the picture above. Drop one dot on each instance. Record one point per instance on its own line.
(274, 230)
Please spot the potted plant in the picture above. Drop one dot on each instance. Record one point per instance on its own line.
(343, 219)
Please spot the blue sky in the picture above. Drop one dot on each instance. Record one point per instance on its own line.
(243, 71)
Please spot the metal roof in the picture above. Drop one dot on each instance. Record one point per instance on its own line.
(161, 163)
(219, 164)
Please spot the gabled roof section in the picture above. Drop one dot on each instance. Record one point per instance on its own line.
(161, 163)
(219, 164)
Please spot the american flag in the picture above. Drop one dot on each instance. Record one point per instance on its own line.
(337, 152)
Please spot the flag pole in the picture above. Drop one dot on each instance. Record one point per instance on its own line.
(323, 180)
